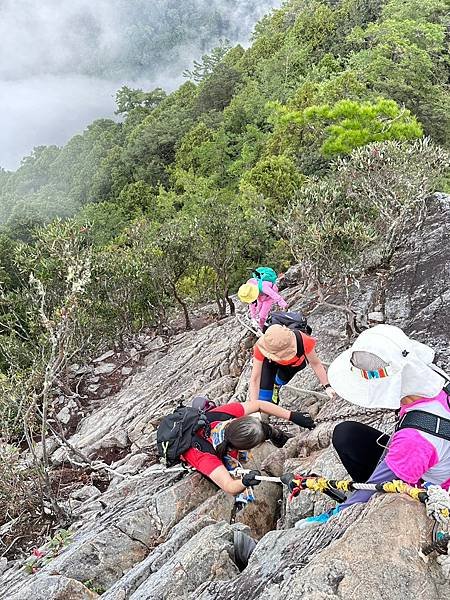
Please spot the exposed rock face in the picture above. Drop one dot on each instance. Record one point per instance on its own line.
(375, 558)
(418, 292)
(56, 587)
(168, 535)
(208, 555)
(205, 362)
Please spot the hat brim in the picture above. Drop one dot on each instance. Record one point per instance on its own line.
(287, 354)
(248, 298)
(368, 393)
(423, 352)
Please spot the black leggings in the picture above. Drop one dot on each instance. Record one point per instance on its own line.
(273, 373)
(358, 448)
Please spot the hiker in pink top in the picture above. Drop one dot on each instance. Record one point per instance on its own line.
(261, 293)
(386, 369)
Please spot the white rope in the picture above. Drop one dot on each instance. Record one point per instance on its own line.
(438, 504)
(258, 332)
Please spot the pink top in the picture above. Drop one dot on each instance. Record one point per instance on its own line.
(269, 293)
(413, 455)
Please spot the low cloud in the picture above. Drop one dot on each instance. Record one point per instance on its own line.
(62, 62)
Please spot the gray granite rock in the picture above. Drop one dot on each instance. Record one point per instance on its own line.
(168, 535)
(208, 555)
(54, 587)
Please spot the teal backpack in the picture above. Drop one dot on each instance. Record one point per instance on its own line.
(264, 274)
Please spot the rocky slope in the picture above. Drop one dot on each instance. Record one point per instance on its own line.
(168, 535)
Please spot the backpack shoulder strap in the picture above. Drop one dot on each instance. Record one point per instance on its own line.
(426, 422)
(200, 442)
(218, 415)
(300, 345)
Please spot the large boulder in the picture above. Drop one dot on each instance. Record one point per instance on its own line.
(209, 555)
(418, 291)
(364, 552)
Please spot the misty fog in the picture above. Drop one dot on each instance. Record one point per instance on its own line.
(63, 60)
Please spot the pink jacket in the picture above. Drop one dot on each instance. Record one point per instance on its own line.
(266, 299)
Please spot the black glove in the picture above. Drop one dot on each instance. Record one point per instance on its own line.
(278, 437)
(249, 478)
(302, 419)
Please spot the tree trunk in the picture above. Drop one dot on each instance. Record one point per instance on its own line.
(230, 303)
(219, 300)
(183, 305)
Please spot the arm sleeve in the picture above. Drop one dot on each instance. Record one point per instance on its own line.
(252, 309)
(309, 343)
(257, 354)
(410, 455)
(269, 291)
(381, 474)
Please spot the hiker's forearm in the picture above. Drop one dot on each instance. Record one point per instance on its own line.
(269, 408)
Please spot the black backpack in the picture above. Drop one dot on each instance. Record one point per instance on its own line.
(177, 432)
(293, 320)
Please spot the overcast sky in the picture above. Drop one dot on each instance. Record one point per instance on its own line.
(63, 60)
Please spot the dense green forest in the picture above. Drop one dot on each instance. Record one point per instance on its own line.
(317, 141)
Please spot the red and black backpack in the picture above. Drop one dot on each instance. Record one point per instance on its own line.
(180, 430)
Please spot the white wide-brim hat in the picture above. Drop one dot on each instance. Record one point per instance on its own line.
(406, 372)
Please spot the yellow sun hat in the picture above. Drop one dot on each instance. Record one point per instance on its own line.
(248, 292)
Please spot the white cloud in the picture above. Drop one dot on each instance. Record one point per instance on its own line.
(62, 61)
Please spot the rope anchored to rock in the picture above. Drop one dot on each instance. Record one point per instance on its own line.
(435, 499)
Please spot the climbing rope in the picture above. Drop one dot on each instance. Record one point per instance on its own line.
(437, 504)
(435, 498)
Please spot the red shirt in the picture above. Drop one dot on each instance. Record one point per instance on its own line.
(205, 462)
(308, 345)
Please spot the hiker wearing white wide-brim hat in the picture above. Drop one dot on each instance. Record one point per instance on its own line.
(383, 366)
(386, 369)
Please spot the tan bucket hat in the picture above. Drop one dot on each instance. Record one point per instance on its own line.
(278, 343)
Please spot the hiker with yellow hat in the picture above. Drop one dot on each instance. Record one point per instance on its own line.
(261, 293)
(280, 353)
(386, 369)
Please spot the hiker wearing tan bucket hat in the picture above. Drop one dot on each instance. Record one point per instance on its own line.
(386, 369)
(278, 355)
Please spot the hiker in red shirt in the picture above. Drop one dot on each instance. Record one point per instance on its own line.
(277, 356)
(233, 432)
